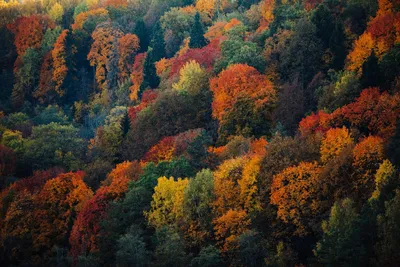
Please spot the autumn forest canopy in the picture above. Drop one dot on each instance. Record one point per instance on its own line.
(200, 133)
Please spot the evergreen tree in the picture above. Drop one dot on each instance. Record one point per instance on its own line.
(142, 34)
(150, 78)
(157, 43)
(197, 39)
(393, 148)
(323, 20)
(336, 45)
(370, 72)
(125, 125)
(341, 244)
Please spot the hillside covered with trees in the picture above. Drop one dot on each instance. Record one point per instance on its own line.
(199, 133)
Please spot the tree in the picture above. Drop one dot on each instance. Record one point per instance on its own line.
(170, 250)
(197, 39)
(29, 31)
(367, 155)
(229, 227)
(56, 12)
(197, 209)
(143, 35)
(101, 53)
(301, 58)
(157, 43)
(150, 78)
(132, 250)
(57, 205)
(324, 22)
(27, 77)
(60, 57)
(128, 45)
(54, 145)
(388, 233)
(341, 243)
(208, 257)
(235, 83)
(334, 142)
(167, 204)
(193, 79)
(370, 72)
(305, 199)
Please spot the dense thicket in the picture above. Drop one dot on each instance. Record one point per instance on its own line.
(199, 133)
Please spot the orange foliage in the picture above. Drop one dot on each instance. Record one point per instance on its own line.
(296, 193)
(120, 177)
(81, 18)
(373, 111)
(104, 43)
(137, 75)
(128, 45)
(367, 155)
(382, 33)
(162, 66)
(216, 31)
(334, 142)
(361, 51)
(59, 62)
(29, 31)
(236, 81)
(115, 3)
(231, 24)
(170, 147)
(229, 227)
(267, 11)
(316, 122)
(57, 204)
(46, 83)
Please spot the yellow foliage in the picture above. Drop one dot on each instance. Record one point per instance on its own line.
(56, 12)
(192, 78)
(248, 185)
(362, 50)
(167, 203)
(334, 142)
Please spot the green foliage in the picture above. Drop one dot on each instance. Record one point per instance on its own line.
(49, 39)
(236, 50)
(170, 249)
(132, 250)
(197, 39)
(54, 145)
(208, 257)
(341, 242)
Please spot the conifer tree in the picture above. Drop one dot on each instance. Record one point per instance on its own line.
(197, 39)
(143, 35)
(157, 43)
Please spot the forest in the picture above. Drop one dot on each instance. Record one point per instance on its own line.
(200, 133)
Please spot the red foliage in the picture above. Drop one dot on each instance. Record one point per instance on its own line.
(373, 111)
(7, 161)
(86, 228)
(46, 83)
(316, 122)
(137, 75)
(171, 146)
(148, 97)
(205, 56)
(29, 31)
